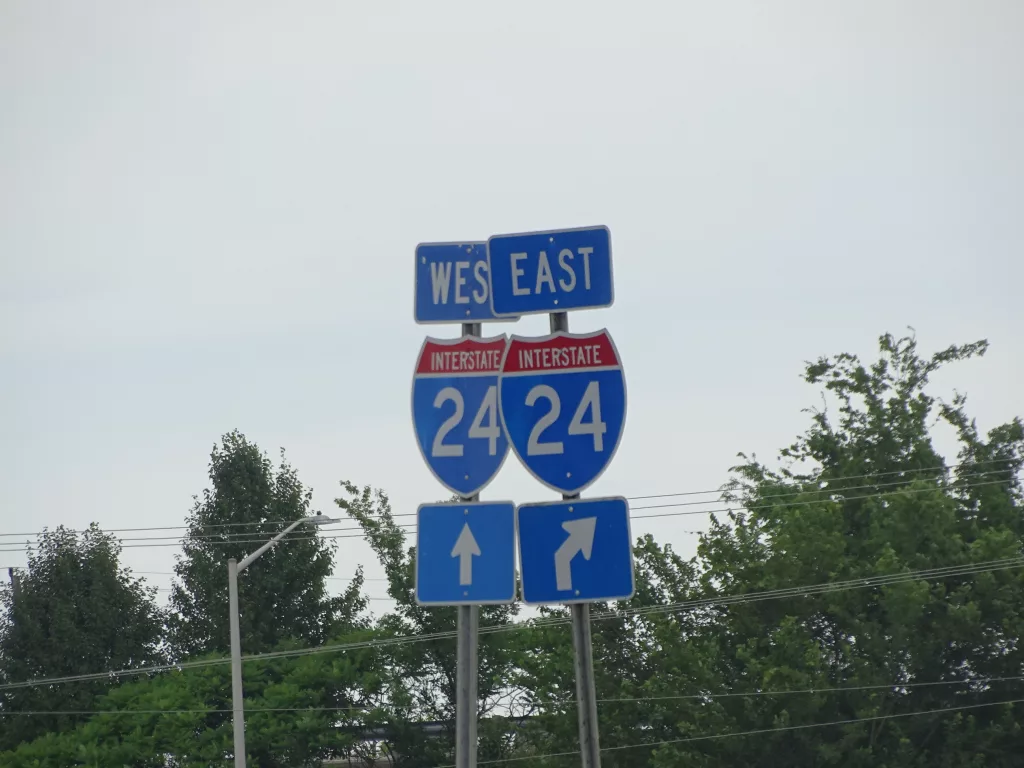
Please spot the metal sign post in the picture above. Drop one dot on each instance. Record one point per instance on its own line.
(583, 646)
(576, 551)
(586, 689)
(561, 400)
(465, 556)
(563, 406)
(466, 685)
(465, 552)
(466, 667)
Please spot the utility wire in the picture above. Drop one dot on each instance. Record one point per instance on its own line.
(826, 587)
(828, 491)
(805, 591)
(555, 621)
(758, 732)
(836, 689)
(330, 579)
(252, 709)
(827, 483)
(885, 580)
(358, 532)
(720, 491)
(366, 597)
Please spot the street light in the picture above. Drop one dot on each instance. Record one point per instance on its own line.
(234, 568)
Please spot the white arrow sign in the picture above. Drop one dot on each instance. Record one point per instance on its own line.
(465, 548)
(581, 540)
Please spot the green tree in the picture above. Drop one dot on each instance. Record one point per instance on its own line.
(283, 595)
(865, 494)
(301, 709)
(691, 663)
(860, 580)
(76, 611)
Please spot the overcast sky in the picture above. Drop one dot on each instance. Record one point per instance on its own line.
(208, 212)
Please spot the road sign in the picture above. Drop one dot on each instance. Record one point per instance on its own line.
(554, 271)
(575, 551)
(455, 411)
(563, 406)
(452, 284)
(466, 553)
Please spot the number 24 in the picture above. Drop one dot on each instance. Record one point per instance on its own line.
(488, 410)
(595, 427)
(490, 430)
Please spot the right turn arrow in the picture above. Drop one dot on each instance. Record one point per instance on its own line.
(581, 540)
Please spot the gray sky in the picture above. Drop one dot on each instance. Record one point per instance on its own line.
(208, 212)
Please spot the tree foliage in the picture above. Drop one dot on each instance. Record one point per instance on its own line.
(863, 494)
(861, 604)
(691, 663)
(299, 712)
(75, 611)
(283, 596)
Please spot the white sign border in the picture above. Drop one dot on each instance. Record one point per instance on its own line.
(629, 535)
(625, 398)
(515, 548)
(412, 407)
(517, 315)
(490, 288)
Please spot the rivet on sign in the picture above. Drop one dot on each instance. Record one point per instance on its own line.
(556, 301)
(466, 594)
(577, 593)
(423, 260)
(466, 511)
(567, 474)
(469, 249)
(551, 239)
(467, 313)
(467, 477)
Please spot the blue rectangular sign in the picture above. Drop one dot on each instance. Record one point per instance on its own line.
(466, 553)
(554, 271)
(452, 284)
(575, 551)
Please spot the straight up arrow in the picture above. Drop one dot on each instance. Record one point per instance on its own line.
(465, 548)
(581, 540)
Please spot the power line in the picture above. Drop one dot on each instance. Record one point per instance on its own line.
(329, 578)
(884, 580)
(826, 587)
(936, 468)
(897, 488)
(720, 491)
(829, 491)
(358, 532)
(836, 689)
(636, 700)
(804, 591)
(968, 569)
(367, 597)
(757, 732)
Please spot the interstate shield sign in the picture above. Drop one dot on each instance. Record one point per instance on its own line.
(563, 406)
(455, 411)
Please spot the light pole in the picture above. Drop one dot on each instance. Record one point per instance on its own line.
(234, 568)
